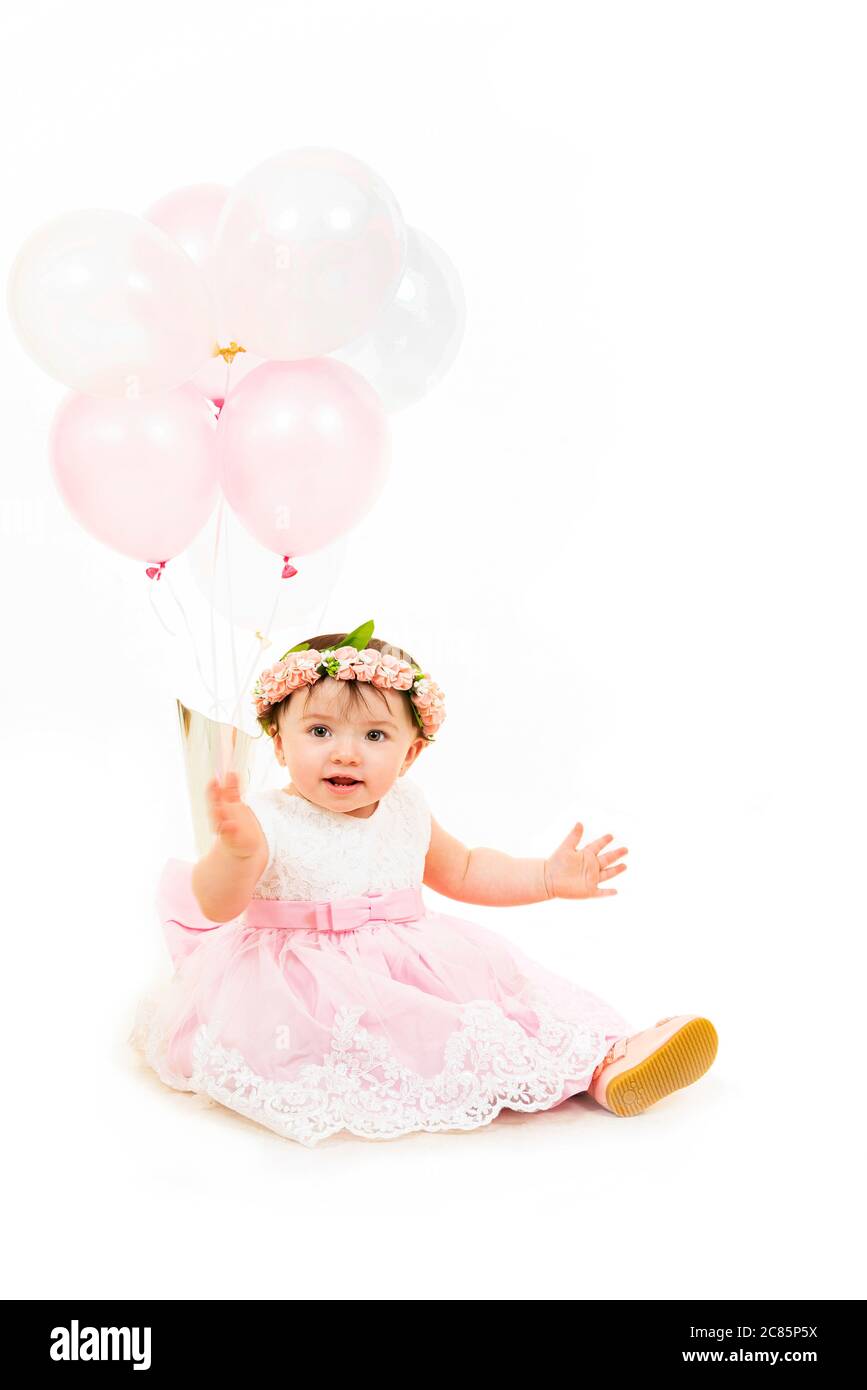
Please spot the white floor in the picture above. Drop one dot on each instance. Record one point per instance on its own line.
(745, 1185)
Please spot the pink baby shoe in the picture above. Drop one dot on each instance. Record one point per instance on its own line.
(638, 1071)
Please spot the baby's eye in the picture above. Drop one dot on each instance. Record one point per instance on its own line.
(372, 731)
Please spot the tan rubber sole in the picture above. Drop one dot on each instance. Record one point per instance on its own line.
(682, 1059)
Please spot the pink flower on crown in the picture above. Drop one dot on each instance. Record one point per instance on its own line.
(267, 689)
(293, 671)
(366, 664)
(346, 657)
(304, 664)
(430, 703)
(393, 673)
(428, 695)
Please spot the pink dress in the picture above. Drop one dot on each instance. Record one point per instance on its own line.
(340, 1001)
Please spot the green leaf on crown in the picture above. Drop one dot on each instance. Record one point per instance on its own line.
(301, 647)
(359, 638)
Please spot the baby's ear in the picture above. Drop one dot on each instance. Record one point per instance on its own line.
(415, 750)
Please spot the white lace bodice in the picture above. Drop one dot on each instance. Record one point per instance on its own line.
(314, 853)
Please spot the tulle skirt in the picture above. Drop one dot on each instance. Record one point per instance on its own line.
(380, 1020)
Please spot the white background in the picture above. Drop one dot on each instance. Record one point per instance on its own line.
(625, 534)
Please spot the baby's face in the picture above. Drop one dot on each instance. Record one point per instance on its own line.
(373, 745)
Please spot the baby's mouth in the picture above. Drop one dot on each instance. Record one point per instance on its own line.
(343, 781)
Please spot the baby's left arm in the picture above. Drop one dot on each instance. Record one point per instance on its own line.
(494, 879)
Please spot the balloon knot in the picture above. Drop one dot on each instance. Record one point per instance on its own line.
(154, 571)
(229, 353)
(288, 570)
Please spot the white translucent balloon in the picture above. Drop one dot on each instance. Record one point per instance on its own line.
(416, 338)
(109, 304)
(254, 575)
(309, 249)
(189, 216)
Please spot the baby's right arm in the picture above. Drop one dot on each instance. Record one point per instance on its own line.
(223, 881)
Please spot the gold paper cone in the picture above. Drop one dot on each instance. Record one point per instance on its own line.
(211, 748)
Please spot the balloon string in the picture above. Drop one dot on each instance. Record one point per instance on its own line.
(263, 639)
(236, 687)
(217, 704)
(156, 611)
(213, 588)
(174, 635)
(180, 606)
(256, 654)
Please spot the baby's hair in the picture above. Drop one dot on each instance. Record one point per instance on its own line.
(353, 691)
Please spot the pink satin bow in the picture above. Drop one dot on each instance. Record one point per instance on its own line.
(343, 914)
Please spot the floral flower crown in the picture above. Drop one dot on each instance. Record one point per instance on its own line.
(352, 660)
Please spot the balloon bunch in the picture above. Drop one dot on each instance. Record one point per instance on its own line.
(301, 286)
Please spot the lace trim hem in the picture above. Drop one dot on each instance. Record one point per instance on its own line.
(490, 1064)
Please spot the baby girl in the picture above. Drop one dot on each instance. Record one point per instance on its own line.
(315, 988)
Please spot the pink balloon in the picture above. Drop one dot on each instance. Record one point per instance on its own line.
(190, 215)
(140, 475)
(303, 451)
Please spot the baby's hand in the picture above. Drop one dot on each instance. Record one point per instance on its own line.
(232, 820)
(576, 873)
